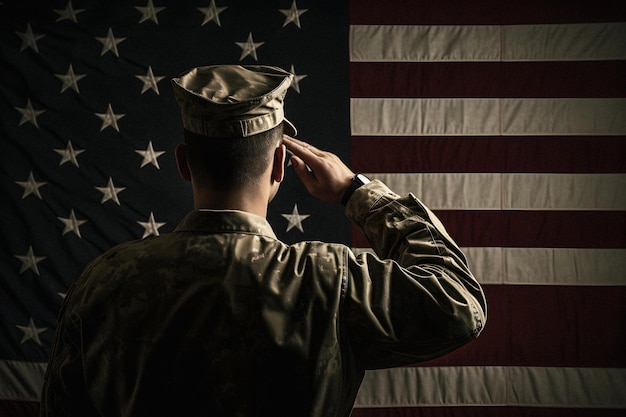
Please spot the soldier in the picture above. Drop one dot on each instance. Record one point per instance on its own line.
(220, 318)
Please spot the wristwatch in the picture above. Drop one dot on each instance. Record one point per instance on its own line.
(357, 181)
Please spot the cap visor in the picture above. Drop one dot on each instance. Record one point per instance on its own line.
(289, 128)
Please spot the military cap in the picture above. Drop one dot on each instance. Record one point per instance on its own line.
(232, 100)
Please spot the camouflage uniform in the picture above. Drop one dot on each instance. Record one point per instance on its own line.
(220, 318)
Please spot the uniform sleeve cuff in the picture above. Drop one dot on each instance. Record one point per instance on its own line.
(367, 198)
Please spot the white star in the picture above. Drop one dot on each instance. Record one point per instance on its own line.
(293, 14)
(68, 13)
(150, 156)
(151, 227)
(295, 84)
(249, 47)
(29, 114)
(30, 261)
(69, 154)
(149, 12)
(212, 13)
(110, 119)
(70, 80)
(110, 43)
(110, 192)
(72, 224)
(29, 39)
(31, 332)
(149, 81)
(295, 219)
(31, 186)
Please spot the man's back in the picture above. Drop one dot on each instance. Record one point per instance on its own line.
(219, 318)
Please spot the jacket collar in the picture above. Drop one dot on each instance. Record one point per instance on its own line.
(225, 221)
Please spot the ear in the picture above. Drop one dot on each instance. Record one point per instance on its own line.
(181, 162)
(278, 169)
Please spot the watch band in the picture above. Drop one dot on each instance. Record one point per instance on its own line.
(358, 181)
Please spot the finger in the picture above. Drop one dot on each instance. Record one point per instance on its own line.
(290, 157)
(301, 147)
(304, 154)
(302, 171)
(295, 144)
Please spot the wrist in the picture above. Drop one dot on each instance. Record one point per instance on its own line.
(357, 181)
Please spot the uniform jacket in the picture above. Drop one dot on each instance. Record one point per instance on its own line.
(220, 318)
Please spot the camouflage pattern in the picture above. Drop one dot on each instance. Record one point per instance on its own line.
(219, 318)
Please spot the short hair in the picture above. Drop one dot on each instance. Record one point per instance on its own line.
(229, 163)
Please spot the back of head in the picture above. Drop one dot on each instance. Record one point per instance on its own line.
(231, 163)
(233, 118)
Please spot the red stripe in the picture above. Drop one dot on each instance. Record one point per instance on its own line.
(585, 79)
(543, 229)
(527, 229)
(474, 411)
(548, 326)
(551, 154)
(10, 408)
(411, 12)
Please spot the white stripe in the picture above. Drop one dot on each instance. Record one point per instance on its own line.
(21, 381)
(573, 116)
(494, 386)
(548, 266)
(567, 42)
(419, 117)
(488, 117)
(545, 266)
(425, 43)
(562, 42)
(511, 191)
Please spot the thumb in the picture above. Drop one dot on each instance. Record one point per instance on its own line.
(298, 165)
(301, 171)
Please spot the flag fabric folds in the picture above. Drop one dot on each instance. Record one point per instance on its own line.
(507, 119)
(88, 129)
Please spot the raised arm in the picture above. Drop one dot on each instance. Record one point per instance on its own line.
(414, 300)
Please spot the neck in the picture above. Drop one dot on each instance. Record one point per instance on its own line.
(252, 200)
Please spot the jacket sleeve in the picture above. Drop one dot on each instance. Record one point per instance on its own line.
(415, 298)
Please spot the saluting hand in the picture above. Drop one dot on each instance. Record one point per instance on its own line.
(327, 179)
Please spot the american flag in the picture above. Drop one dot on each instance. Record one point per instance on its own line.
(88, 129)
(507, 118)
